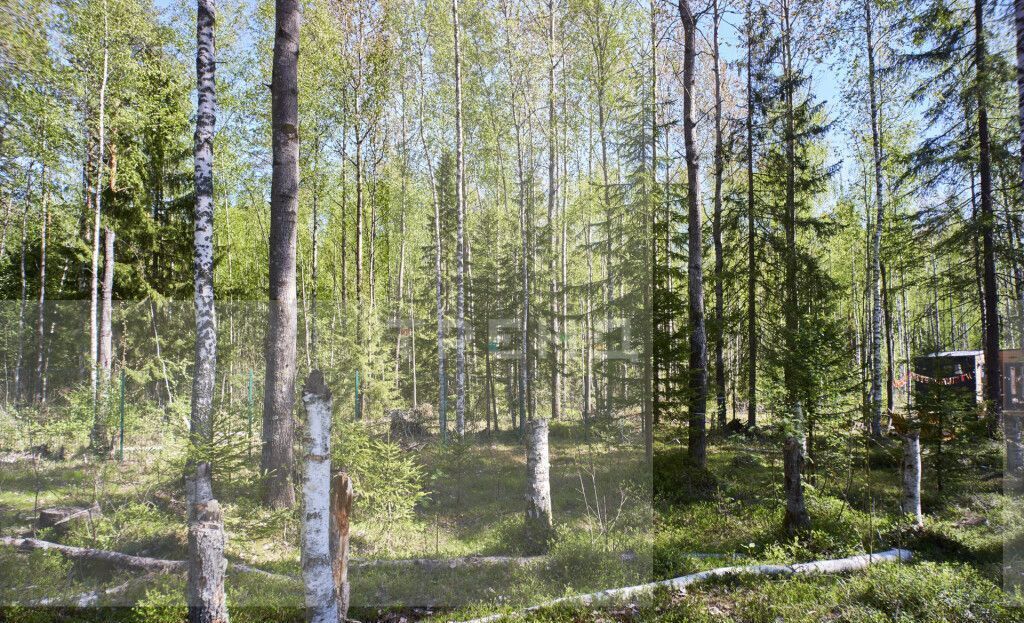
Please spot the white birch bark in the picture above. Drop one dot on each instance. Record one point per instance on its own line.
(317, 568)
(206, 530)
(207, 566)
(538, 488)
(460, 242)
(98, 197)
(106, 352)
(876, 250)
(911, 500)
(841, 565)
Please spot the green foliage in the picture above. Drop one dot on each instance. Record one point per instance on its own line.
(388, 482)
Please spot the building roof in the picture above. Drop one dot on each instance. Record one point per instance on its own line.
(957, 353)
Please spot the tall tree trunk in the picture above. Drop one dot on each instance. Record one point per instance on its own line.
(105, 344)
(442, 374)
(399, 298)
(876, 251)
(317, 567)
(412, 343)
(41, 311)
(588, 336)
(553, 320)
(890, 349)
(94, 298)
(460, 240)
(277, 455)
(752, 336)
(796, 519)
(993, 370)
(314, 272)
(717, 224)
(19, 368)
(107, 311)
(1014, 450)
(649, 387)
(697, 446)
(207, 565)
(7, 222)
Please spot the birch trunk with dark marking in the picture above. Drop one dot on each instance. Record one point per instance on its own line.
(993, 371)
(910, 503)
(460, 240)
(207, 566)
(342, 495)
(317, 563)
(206, 563)
(279, 385)
(876, 249)
(697, 443)
(539, 529)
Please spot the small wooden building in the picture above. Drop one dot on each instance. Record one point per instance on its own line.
(959, 370)
(1013, 379)
(964, 370)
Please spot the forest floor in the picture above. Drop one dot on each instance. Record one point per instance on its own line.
(616, 527)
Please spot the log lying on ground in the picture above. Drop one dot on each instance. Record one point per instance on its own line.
(160, 565)
(841, 565)
(140, 563)
(430, 564)
(127, 561)
(87, 599)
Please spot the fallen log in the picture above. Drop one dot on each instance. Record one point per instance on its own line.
(160, 565)
(87, 599)
(447, 563)
(140, 563)
(853, 563)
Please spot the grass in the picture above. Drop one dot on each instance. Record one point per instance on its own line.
(617, 526)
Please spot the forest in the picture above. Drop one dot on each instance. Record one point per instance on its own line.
(487, 310)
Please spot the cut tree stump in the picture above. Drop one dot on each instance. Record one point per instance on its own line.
(61, 517)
